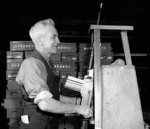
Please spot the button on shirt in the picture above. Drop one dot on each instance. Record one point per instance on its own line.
(32, 74)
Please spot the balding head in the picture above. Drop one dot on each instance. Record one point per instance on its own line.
(39, 28)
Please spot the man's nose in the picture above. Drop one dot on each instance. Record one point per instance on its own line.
(57, 40)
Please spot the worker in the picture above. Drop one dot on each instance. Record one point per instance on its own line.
(39, 79)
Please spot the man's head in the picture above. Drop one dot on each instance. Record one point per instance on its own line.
(45, 36)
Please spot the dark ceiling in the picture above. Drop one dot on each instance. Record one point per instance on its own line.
(71, 17)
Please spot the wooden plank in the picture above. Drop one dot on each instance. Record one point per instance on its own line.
(125, 42)
(121, 101)
(111, 27)
(97, 81)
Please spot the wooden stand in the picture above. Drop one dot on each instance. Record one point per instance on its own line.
(101, 116)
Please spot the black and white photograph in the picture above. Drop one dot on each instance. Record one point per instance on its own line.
(74, 64)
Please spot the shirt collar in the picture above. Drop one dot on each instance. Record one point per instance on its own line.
(45, 57)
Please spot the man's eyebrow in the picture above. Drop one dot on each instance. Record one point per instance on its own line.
(55, 34)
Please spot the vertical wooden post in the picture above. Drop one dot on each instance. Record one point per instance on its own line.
(97, 81)
(125, 42)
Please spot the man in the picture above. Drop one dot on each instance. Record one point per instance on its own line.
(40, 82)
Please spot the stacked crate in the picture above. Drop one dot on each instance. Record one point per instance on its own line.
(85, 55)
(69, 66)
(13, 103)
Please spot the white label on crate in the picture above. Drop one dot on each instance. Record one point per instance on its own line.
(25, 119)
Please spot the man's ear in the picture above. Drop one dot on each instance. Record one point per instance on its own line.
(39, 41)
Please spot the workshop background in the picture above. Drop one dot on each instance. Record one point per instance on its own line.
(73, 20)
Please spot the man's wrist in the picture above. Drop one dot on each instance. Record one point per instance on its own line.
(77, 109)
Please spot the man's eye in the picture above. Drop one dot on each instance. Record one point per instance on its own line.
(53, 37)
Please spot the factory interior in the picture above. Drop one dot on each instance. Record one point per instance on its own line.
(73, 20)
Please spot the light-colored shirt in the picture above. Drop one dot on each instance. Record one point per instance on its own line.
(32, 74)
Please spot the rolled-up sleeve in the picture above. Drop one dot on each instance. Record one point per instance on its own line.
(32, 74)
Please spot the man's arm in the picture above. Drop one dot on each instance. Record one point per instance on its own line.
(71, 100)
(54, 106)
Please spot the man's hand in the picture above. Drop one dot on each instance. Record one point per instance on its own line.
(85, 111)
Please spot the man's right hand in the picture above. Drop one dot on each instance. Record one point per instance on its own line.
(85, 111)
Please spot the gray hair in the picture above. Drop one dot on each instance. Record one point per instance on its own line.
(38, 28)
